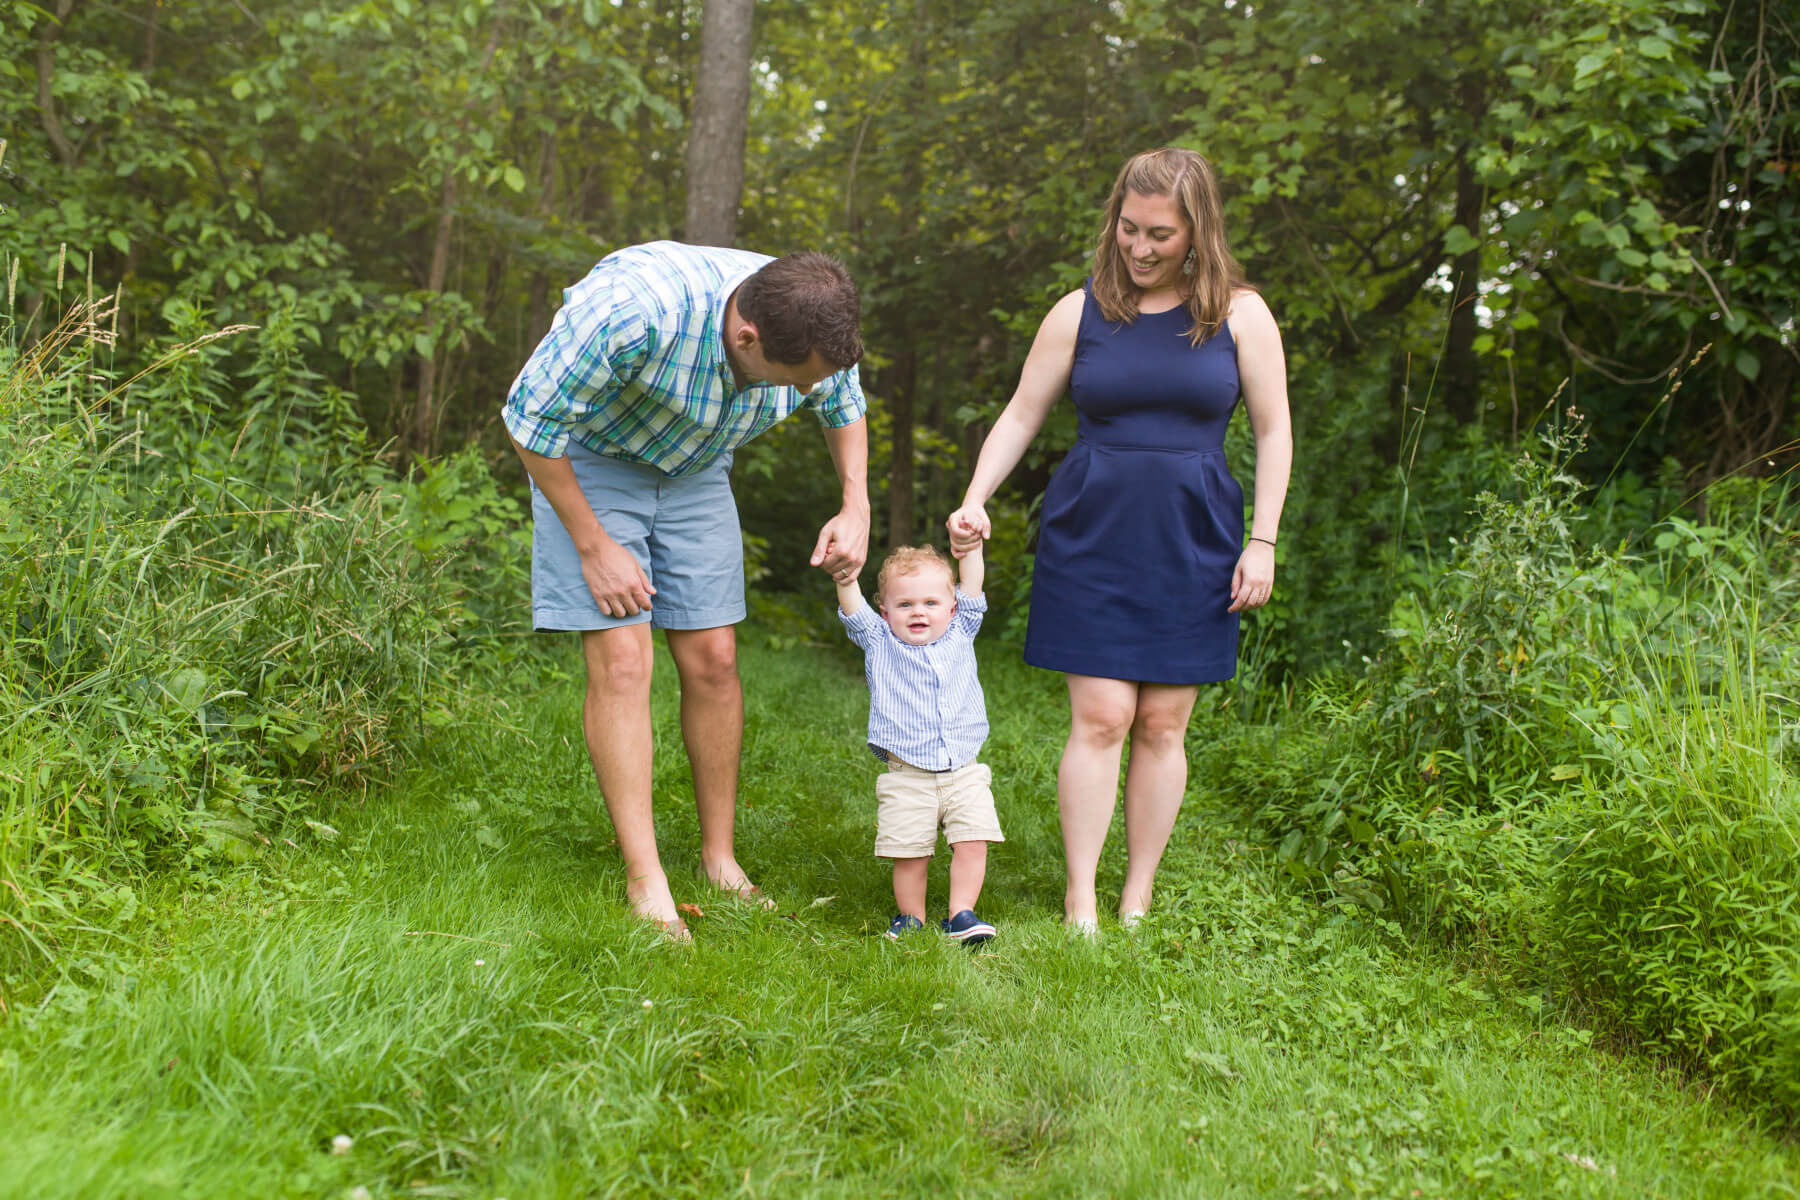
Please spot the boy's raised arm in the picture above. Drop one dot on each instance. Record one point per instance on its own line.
(971, 572)
(850, 597)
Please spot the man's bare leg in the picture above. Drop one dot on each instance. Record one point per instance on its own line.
(615, 717)
(712, 726)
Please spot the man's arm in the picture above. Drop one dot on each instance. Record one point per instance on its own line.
(843, 544)
(618, 583)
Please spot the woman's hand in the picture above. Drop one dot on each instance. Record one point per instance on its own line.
(1254, 577)
(968, 526)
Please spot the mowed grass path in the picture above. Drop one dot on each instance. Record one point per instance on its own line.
(454, 984)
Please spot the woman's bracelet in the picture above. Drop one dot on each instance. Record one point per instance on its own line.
(1264, 541)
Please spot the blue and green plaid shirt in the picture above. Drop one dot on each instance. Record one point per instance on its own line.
(634, 365)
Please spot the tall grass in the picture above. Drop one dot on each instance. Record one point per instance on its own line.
(456, 985)
(1677, 905)
(210, 612)
(1578, 758)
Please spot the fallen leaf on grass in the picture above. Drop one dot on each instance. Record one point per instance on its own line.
(821, 901)
(692, 910)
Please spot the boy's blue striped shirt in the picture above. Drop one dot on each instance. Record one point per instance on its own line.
(634, 365)
(925, 702)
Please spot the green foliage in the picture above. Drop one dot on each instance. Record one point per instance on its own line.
(456, 986)
(1577, 760)
(218, 610)
(1675, 903)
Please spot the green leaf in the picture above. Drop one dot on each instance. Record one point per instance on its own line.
(1653, 47)
(1748, 364)
(187, 688)
(119, 241)
(1458, 240)
(514, 178)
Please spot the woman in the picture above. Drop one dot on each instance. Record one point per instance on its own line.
(1142, 563)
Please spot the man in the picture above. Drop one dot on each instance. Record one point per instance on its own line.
(660, 363)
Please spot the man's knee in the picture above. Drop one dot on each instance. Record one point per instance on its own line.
(618, 661)
(706, 659)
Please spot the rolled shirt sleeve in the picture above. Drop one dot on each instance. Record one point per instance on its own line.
(862, 626)
(969, 611)
(591, 352)
(839, 399)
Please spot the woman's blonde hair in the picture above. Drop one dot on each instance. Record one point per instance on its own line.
(1187, 179)
(904, 560)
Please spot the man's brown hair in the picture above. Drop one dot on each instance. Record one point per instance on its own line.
(800, 303)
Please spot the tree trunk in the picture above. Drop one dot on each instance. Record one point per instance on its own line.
(719, 123)
(424, 418)
(422, 429)
(149, 61)
(1462, 377)
(902, 380)
(902, 398)
(48, 34)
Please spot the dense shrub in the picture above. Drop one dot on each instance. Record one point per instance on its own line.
(1677, 904)
(1580, 756)
(215, 606)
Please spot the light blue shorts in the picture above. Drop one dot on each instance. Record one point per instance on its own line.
(683, 530)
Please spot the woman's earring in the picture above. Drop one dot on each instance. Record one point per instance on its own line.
(1188, 263)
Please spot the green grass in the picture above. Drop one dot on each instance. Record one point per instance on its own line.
(454, 983)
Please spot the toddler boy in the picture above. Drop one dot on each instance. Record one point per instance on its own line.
(927, 721)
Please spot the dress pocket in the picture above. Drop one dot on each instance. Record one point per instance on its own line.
(1062, 498)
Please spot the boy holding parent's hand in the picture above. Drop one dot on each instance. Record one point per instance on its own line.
(927, 721)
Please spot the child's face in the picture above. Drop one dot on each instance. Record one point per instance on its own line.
(918, 605)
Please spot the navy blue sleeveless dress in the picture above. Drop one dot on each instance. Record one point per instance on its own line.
(1142, 524)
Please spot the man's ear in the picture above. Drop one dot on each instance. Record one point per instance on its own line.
(745, 336)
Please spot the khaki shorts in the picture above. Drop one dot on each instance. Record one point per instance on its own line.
(911, 804)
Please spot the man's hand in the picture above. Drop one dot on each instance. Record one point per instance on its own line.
(968, 525)
(843, 545)
(618, 583)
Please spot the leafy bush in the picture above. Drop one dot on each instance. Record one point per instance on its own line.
(213, 604)
(1582, 757)
(1677, 905)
